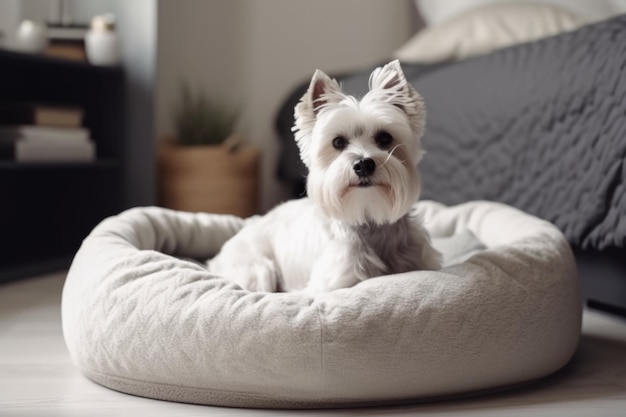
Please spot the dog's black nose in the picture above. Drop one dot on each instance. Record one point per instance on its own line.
(364, 167)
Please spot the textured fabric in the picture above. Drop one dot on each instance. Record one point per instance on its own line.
(458, 248)
(539, 126)
(138, 319)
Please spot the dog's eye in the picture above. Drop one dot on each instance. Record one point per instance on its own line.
(340, 143)
(383, 140)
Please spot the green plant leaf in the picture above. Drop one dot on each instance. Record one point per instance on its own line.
(199, 120)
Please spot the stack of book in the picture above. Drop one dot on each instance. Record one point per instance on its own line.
(43, 133)
(66, 42)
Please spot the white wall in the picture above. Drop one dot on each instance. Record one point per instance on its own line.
(254, 52)
(9, 19)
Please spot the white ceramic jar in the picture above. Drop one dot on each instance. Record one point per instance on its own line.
(31, 36)
(101, 42)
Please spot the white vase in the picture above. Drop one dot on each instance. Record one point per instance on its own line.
(101, 42)
(31, 37)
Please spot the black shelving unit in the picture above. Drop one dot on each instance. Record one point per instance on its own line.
(46, 209)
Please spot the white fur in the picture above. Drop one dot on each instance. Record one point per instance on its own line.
(352, 227)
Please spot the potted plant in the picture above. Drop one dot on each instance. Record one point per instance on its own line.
(206, 166)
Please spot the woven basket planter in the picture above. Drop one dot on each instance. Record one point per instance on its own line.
(206, 178)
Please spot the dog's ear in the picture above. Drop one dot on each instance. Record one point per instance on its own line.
(388, 77)
(322, 91)
(388, 83)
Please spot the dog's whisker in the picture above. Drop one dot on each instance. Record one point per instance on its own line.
(390, 154)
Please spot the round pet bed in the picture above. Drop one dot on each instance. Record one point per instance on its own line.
(141, 317)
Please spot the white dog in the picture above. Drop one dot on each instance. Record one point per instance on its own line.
(355, 224)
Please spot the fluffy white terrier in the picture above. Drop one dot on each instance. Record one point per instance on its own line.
(356, 223)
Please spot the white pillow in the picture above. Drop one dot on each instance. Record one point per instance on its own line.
(435, 12)
(486, 29)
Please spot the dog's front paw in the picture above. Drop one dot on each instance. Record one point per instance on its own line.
(260, 276)
(315, 288)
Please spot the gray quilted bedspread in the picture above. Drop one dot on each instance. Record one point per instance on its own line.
(539, 126)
